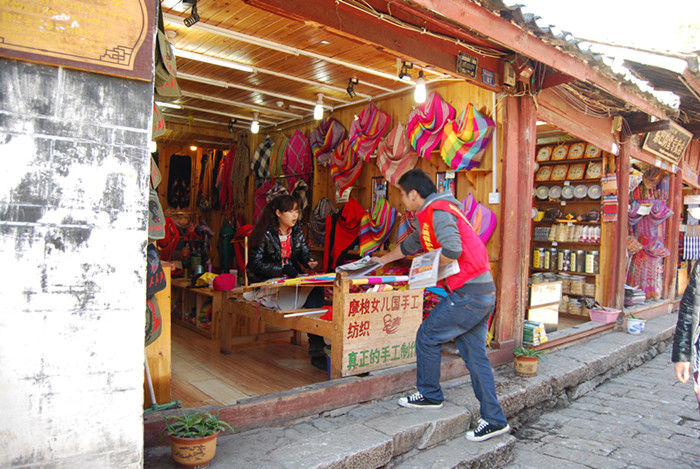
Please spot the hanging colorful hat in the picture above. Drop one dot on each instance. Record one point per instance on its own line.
(425, 123)
(297, 159)
(375, 227)
(325, 138)
(464, 141)
(395, 156)
(367, 129)
(346, 166)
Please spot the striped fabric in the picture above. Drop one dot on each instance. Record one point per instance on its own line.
(345, 166)
(425, 123)
(277, 156)
(480, 217)
(375, 227)
(325, 138)
(464, 141)
(406, 226)
(300, 190)
(395, 155)
(297, 159)
(260, 164)
(367, 129)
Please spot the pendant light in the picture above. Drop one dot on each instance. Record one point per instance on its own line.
(318, 109)
(419, 93)
(255, 125)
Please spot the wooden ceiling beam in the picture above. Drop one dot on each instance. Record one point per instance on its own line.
(340, 19)
(556, 78)
(650, 127)
(195, 129)
(507, 34)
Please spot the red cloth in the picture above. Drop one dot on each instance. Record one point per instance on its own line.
(342, 229)
(297, 159)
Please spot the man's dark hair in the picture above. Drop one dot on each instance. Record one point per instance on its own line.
(417, 179)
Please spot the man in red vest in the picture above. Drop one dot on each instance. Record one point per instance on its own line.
(464, 314)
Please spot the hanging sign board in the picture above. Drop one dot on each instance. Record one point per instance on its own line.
(466, 65)
(114, 37)
(380, 330)
(669, 144)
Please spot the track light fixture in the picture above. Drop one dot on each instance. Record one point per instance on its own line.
(194, 16)
(351, 87)
(231, 123)
(318, 109)
(419, 93)
(255, 125)
(403, 73)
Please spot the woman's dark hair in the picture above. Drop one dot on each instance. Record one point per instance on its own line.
(283, 203)
(417, 179)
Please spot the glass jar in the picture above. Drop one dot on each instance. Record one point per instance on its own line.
(566, 261)
(572, 262)
(589, 262)
(580, 260)
(560, 260)
(547, 259)
(536, 258)
(596, 262)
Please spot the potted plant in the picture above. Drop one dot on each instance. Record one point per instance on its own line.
(526, 360)
(193, 437)
(635, 325)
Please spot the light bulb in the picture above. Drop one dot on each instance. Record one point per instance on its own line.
(193, 147)
(152, 146)
(255, 125)
(419, 93)
(318, 109)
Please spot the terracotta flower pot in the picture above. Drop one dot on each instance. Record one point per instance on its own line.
(193, 453)
(525, 366)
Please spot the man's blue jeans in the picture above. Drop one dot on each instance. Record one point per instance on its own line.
(464, 319)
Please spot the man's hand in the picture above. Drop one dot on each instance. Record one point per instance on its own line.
(682, 370)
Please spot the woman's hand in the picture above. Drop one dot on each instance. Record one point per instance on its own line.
(313, 263)
(682, 370)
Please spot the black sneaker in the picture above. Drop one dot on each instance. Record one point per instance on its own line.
(417, 401)
(485, 430)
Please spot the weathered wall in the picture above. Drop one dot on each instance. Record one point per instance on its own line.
(73, 231)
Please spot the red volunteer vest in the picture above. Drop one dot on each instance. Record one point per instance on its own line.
(474, 259)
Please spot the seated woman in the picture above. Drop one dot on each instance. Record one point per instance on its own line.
(277, 247)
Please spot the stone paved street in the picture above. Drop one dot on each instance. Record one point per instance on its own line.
(644, 418)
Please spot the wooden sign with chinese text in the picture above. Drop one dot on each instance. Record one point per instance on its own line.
(380, 330)
(669, 144)
(113, 37)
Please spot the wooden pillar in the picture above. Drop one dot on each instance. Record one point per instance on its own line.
(615, 295)
(675, 203)
(515, 225)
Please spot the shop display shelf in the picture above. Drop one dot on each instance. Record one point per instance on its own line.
(535, 269)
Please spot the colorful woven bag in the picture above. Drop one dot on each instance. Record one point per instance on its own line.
(367, 129)
(425, 124)
(464, 141)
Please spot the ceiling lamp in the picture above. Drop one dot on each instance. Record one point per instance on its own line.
(255, 125)
(318, 109)
(193, 147)
(403, 73)
(212, 60)
(194, 16)
(419, 93)
(351, 87)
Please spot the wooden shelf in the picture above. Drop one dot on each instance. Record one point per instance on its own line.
(573, 222)
(569, 202)
(572, 182)
(565, 161)
(568, 243)
(563, 272)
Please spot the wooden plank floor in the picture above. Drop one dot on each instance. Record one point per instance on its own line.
(203, 376)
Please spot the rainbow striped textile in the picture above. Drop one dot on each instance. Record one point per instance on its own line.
(464, 140)
(425, 124)
(375, 228)
(367, 129)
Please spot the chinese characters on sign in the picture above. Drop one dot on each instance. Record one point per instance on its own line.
(380, 329)
(113, 37)
(669, 144)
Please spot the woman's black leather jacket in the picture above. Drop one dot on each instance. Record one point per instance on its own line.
(686, 337)
(265, 260)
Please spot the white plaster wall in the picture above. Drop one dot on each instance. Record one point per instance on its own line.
(73, 232)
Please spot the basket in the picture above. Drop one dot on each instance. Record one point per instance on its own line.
(606, 315)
